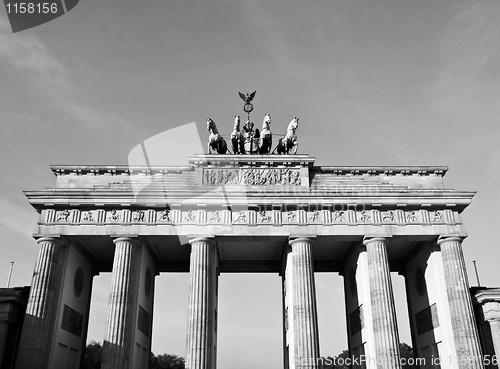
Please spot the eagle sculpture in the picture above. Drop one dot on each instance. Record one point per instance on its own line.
(248, 97)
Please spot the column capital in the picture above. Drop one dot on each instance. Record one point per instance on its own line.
(491, 311)
(209, 240)
(451, 238)
(58, 241)
(292, 241)
(132, 240)
(367, 240)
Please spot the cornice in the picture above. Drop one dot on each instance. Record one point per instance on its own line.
(81, 170)
(383, 170)
(114, 200)
(251, 161)
(484, 295)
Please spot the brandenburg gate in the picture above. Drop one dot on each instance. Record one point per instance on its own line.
(257, 213)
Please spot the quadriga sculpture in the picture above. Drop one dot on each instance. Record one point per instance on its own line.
(288, 143)
(237, 140)
(266, 137)
(215, 141)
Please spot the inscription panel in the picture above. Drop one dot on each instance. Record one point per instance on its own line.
(427, 319)
(144, 321)
(72, 321)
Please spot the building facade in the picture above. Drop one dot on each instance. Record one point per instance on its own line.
(251, 213)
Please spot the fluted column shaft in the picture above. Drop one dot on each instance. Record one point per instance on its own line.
(36, 326)
(201, 314)
(460, 304)
(120, 326)
(495, 336)
(382, 303)
(305, 315)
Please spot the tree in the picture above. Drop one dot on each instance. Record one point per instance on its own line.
(406, 356)
(337, 362)
(93, 355)
(340, 362)
(166, 361)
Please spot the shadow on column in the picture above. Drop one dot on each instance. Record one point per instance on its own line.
(424, 310)
(355, 319)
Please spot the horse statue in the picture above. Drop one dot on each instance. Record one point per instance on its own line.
(266, 137)
(288, 143)
(216, 144)
(237, 140)
(251, 137)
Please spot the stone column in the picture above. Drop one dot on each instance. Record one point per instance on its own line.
(495, 336)
(34, 344)
(202, 303)
(306, 336)
(385, 328)
(119, 331)
(460, 304)
(491, 313)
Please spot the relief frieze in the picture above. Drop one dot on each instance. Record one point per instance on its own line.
(265, 217)
(364, 216)
(88, 216)
(139, 216)
(339, 216)
(214, 217)
(63, 216)
(388, 216)
(114, 216)
(315, 217)
(256, 216)
(412, 216)
(437, 217)
(251, 177)
(164, 216)
(239, 217)
(190, 217)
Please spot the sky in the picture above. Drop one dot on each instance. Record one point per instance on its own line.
(387, 82)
